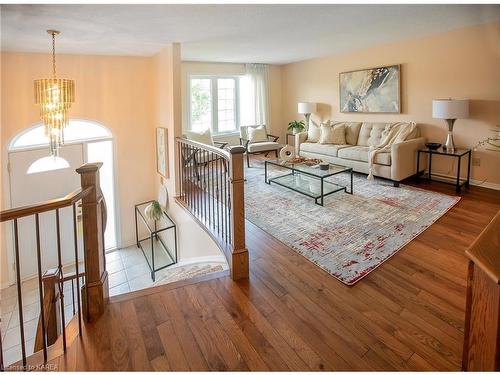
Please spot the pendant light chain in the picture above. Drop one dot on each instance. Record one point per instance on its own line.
(54, 54)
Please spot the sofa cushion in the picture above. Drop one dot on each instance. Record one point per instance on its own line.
(263, 146)
(318, 148)
(313, 131)
(332, 134)
(370, 133)
(360, 153)
(351, 131)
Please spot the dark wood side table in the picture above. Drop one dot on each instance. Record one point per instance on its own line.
(458, 153)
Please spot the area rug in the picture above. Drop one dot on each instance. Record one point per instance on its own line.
(351, 235)
(189, 271)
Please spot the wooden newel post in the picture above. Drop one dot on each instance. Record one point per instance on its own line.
(51, 308)
(239, 252)
(95, 292)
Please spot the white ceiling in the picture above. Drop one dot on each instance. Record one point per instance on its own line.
(274, 34)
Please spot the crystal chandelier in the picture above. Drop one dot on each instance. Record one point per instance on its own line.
(55, 96)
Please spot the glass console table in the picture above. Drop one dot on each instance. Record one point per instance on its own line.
(159, 243)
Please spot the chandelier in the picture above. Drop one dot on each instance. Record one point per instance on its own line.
(55, 96)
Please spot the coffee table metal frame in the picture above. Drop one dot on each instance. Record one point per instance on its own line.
(311, 172)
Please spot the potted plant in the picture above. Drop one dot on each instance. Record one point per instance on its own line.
(491, 143)
(153, 211)
(296, 126)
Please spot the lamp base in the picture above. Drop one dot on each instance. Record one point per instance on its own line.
(307, 116)
(449, 145)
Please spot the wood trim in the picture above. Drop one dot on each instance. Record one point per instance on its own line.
(484, 250)
(49, 205)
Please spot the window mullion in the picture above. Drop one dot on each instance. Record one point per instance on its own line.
(237, 103)
(215, 107)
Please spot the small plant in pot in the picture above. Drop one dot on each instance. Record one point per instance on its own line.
(154, 211)
(296, 126)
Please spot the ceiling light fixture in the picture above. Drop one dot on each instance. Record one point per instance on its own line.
(55, 96)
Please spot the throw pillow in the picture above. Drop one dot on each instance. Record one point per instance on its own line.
(258, 134)
(313, 132)
(332, 134)
(204, 137)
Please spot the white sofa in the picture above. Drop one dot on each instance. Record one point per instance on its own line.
(396, 165)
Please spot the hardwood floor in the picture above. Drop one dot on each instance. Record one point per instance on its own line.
(290, 315)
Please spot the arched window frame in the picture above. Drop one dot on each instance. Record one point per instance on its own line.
(106, 134)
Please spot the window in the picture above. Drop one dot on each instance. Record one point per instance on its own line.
(214, 104)
(47, 163)
(76, 130)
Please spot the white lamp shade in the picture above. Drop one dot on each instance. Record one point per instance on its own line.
(450, 108)
(306, 108)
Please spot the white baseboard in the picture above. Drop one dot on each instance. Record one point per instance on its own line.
(485, 184)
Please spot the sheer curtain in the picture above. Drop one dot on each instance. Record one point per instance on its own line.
(254, 95)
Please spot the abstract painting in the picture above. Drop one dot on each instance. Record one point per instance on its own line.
(374, 90)
(162, 152)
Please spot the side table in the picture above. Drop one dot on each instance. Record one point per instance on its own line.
(154, 245)
(293, 137)
(458, 153)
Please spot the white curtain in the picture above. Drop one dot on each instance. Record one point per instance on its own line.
(254, 96)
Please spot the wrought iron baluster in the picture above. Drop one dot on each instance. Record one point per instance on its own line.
(75, 233)
(60, 284)
(40, 289)
(19, 294)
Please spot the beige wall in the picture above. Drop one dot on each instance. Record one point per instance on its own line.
(211, 68)
(193, 241)
(464, 63)
(130, 96)
(115, 91)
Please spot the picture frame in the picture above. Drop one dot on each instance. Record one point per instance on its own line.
(371, 90)
(162, 166)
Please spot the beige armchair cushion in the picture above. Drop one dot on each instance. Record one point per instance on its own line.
(332, 134)
(263, 146)
(204, 136)
(257, 134)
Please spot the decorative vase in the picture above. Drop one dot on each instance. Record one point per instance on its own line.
(295, 131)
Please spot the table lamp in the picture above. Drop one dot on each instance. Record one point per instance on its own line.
(450, 110)
(305, 108)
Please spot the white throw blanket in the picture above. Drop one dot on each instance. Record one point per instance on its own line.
(393, 133)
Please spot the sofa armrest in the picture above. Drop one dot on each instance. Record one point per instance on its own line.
(404, 158)
(299, 138)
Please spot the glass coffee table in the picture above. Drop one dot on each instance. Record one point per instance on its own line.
(308, 180)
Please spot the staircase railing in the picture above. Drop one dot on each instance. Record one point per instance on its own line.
(94, 287)
(211, 188)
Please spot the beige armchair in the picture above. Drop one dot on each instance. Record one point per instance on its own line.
(260, 147)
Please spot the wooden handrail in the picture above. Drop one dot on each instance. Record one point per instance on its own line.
(52, 204)
(216, 150)
(216, 200)
(72, 276)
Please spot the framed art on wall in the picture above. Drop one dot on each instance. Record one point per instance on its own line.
(374, 90)
(162, 151)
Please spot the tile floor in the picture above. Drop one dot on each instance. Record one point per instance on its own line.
(127, 271)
